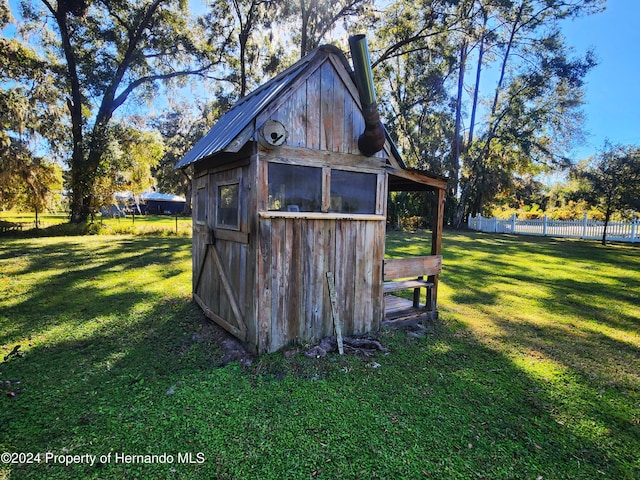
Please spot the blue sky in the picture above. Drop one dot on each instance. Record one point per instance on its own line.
(612, 98)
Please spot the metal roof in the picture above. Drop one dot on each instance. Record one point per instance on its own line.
(231, 124)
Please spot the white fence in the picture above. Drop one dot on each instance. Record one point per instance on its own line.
(585, 228)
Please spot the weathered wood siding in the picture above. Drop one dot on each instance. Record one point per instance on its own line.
(293, 258)
(223, 262)
(322, 112)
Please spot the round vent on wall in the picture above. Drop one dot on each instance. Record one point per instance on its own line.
(272, 134)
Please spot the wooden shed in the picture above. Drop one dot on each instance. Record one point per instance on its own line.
(282, 194)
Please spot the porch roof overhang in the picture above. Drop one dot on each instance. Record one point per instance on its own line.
(412, 180)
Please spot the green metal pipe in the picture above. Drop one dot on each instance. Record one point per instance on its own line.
(362, 68)
(372, 139)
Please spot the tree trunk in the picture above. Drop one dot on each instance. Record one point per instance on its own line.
(243, 64)
(304, 31)
(457, 139)
(476, 89)
(462, 210)
(493, 120)
(80, 186)
(607, 217)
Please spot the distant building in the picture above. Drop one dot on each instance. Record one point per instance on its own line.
(162, 203)
(153, 203)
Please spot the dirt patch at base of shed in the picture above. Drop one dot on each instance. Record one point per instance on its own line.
(232, 349)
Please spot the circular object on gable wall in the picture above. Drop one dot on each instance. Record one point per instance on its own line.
(272, 134)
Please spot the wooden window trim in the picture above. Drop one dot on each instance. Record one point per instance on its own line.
(238, 225)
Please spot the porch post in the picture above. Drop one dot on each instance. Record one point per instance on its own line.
(437, 224)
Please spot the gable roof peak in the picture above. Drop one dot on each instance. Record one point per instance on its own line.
(246, 109)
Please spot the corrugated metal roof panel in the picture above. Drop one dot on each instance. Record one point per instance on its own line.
(229, 126)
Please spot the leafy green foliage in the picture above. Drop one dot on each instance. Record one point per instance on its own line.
(106, 54)
(614, 180)
(127, 163)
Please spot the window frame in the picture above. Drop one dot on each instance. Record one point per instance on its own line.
(219, 186)
(201, 208)
(317, 170)
(374, 178)
(326, 211)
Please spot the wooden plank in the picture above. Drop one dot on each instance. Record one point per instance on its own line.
(328, 246)
(348, 85)
(293, 115)
(294, 284)
(437, 223)
(277, 267)
(262, 194)
(313, 111)
(198, 275)
(334, 311)
(389, 287)
(345, 254)
(327, 76)
(322, 216)
(217, 318)
(436, 247)
(241, 280)
(377, 294)
(396, 304)
(263, 288)
(309, 295)
(231, 294)
(231, 235)
(326, 189)
(412, 266)
(418, 178)
(225, 160)
(368, 229)
(318, 265)
(305, 156)
(337, 123)
(249, 267)
(362, 274)
(381, 194)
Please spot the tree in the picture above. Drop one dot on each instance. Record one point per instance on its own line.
(413, 64)
(128, 160)
(614, 178)
(318, 18)
(534, 110)
(30, 122)
(107, 53)
(27, 182)
(181, 128)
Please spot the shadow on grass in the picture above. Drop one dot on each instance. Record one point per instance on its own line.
(441, 406)
(444, 405)
(81, 279)
(569, 310)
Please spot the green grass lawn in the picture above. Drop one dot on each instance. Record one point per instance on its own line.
(58, 224)
(533, 373)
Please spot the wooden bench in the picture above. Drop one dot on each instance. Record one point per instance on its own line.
(398, 270)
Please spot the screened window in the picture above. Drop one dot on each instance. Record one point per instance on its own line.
(228, 206)
(353, 192)
(201, 205)
(293, 188)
